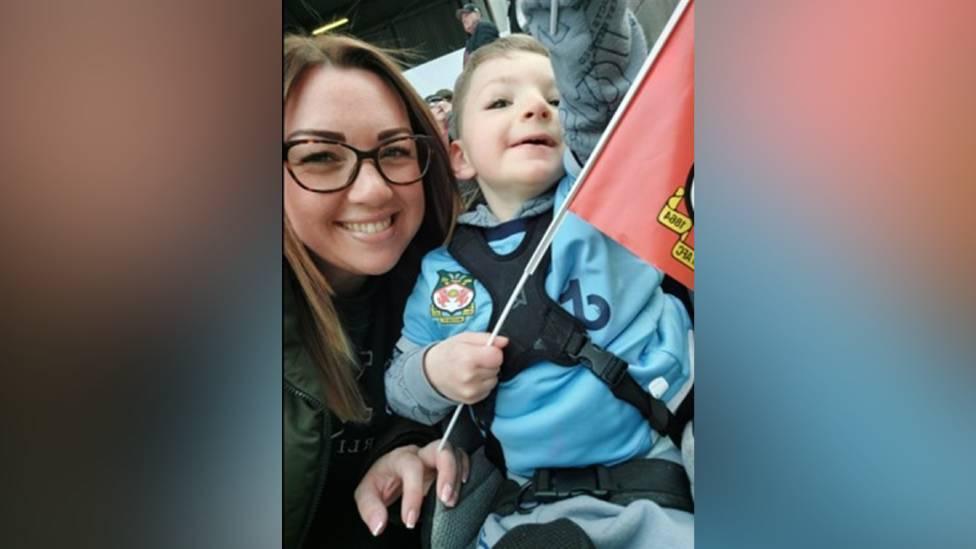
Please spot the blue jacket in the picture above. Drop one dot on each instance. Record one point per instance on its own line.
(550, 415)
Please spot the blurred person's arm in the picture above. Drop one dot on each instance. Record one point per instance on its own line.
(597, 51)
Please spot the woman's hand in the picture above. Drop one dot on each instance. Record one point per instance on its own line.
(463, 368)
(409, 471)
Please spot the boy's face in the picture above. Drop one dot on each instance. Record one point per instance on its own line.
(511, 139)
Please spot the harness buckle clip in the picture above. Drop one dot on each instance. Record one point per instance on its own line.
(606, 365)
(554, 484)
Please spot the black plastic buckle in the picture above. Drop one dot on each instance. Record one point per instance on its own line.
(559, 484)
(606, 365)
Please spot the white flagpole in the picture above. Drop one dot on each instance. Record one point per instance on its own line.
(560, 215)
(494, 333)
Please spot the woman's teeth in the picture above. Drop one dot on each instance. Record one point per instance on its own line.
(368, 228)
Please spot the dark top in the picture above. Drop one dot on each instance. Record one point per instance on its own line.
(484, 33)
(373, 325)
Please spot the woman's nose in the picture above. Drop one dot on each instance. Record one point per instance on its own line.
(369, 187)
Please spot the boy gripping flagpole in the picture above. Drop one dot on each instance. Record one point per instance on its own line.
(672, 158)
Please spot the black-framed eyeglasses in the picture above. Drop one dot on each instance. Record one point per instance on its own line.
(325, 166)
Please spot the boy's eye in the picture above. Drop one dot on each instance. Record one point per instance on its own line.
(499, 103)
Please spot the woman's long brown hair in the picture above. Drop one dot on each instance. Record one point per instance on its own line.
(324, 336)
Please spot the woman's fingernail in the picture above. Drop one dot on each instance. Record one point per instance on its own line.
(446, 494)
(412, 519)
(377, 526)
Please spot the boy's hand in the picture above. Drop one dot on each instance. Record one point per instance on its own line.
(462, 368)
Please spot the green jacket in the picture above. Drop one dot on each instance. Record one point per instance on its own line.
(307, 427)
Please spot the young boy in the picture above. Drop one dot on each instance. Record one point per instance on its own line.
(545, 415)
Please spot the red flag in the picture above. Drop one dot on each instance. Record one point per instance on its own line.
(635, 191)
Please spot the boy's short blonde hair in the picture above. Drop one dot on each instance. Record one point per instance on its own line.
(499, 48)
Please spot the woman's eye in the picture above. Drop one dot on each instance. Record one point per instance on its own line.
(396, 152)
(499, 103)
(321, 158)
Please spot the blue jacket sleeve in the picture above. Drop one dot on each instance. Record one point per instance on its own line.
(408, 391)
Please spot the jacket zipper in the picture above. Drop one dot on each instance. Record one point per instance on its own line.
(324, 472)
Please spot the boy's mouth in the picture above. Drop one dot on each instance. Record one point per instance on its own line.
(537, 140)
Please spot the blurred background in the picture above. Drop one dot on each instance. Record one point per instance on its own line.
(429, 29)
(429, 26)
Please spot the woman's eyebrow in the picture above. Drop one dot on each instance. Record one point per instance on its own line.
(390, 133)
(339, 136)
(326, 134)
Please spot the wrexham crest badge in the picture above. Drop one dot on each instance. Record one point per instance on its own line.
(452, 301)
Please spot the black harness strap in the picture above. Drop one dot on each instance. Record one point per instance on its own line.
(661, 481)
(613, 371)
(545, 329)
(469, 247)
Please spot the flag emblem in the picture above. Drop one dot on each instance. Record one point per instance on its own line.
(675, 215)
(452, 301)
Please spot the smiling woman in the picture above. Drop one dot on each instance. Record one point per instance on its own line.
(338, 226)
(367, 191)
